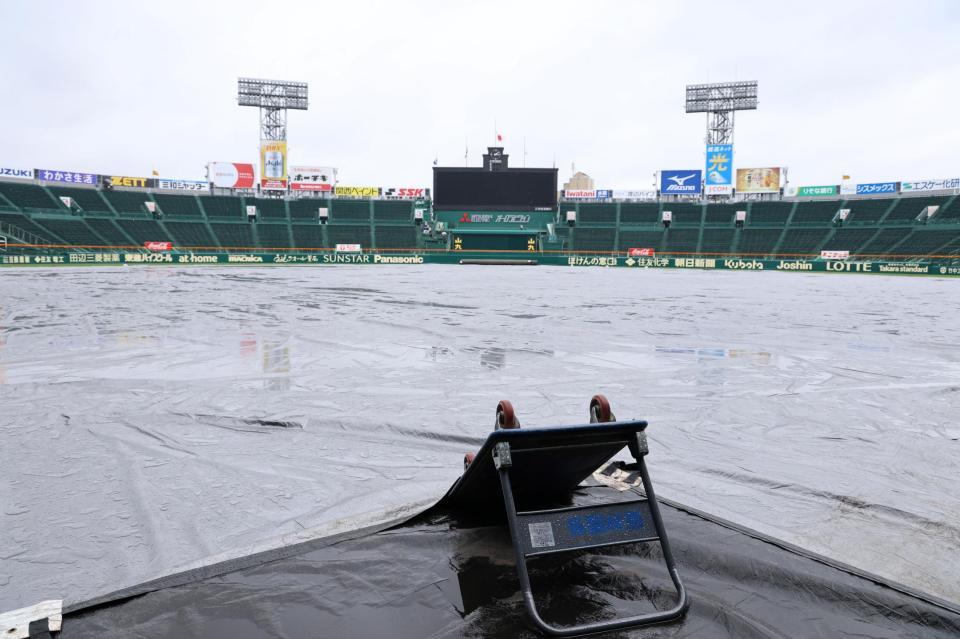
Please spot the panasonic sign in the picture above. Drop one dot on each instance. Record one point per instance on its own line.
(681, 182)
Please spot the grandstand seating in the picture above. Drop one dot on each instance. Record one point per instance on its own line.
(349, 211)
(29, 196)
(305, 209)
(757, 242)
(177, 205)
(392, 211)
(234, 235)
(192, 234)
(799, 241)
(643, 213)
(273, 236)
(108, 230)
(72, 231)
(87, 199)
(143, 230)
(865, 211)
(128, 203)
(685, 214)
(770, 213)
(809, 213)
(594, 239)
(640, 239)
(223, 207)
(396, 237)
(908, 208)
(269, 208)
(597, 214)
(307, 235)
(717, 240)
(875, 227)
(681, 240)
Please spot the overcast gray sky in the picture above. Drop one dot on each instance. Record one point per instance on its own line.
(864, 88)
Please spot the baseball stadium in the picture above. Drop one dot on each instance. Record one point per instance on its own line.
(501, 401)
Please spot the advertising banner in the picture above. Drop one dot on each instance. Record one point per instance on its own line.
(588, 194)
(634, 195)
(312, 178)
(876, 187)
(273, 165)
(834, 255)
(817, 191)
(848, 188)
(48, 175)
(158, 246)
(681, 182)
(20, 173)
(347, 248)
(640, 252)
(406, 193)
(128, 182)
(930, 185)
(719, 169)
(356, 191)
(764, 180)
(231, 175)
(182, 185)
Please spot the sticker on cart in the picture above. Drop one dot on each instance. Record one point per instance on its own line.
(541, 535)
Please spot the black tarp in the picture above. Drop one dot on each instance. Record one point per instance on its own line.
(441, 576)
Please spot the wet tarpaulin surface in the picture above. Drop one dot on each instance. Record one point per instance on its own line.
(438, 578)
(160, 419)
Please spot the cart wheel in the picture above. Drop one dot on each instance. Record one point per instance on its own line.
(468, 459)
(506, 418)
(600, 410)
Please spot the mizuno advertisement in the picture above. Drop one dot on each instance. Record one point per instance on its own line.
(681, 182)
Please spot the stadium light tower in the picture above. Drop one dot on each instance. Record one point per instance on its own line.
(720, 101)
(273, 97)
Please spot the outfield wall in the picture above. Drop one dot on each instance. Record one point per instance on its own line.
(939, 269)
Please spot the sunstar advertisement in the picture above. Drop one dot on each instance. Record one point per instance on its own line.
(273, 165)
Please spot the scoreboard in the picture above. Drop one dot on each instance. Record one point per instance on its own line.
(479, 189)
(494, 242)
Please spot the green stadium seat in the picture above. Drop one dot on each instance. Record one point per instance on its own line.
(237, 236)
(883, 241)
(341, 234)
(717, 242)
(639, 213)
(809, 213)
(305, 209)
(802, 242)
(29, 197)
(24, 223)
(848, 239)
(307, 236)
(74, 232)
(108, 230)
(908, 208)
(177, 205)
(866, 211)
(722, 214)
(87, 199)
(392, 211)
(128, 203)
(597, 213)
(684, 214)
(269, 208)
(220, 206)
(144, 230)
(680, 240)
(769, 213)
(397, 237)
(757, 242)
(924, 242)
(273, 236)
(190, 234)
(640, 239)
(349, 211)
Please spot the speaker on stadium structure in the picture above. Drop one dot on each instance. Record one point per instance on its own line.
(251, 214)
(152, 209)
(418, 216)
(571, 218)
(324, 214)
(841, 217)
(667, 219)
(740, 219)
(107, 184)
